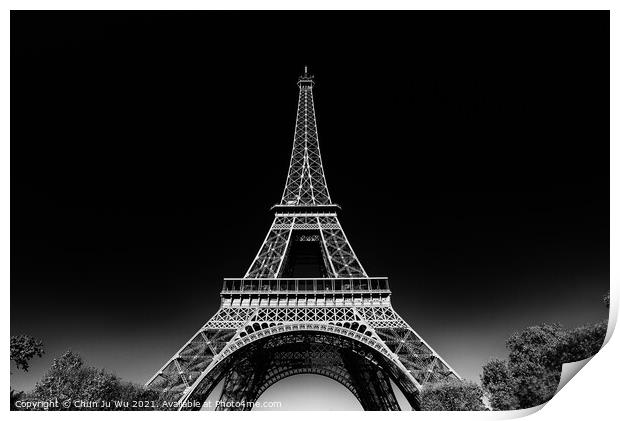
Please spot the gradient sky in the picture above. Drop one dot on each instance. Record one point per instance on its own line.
(469, 152)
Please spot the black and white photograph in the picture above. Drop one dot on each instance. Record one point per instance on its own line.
(307, 210)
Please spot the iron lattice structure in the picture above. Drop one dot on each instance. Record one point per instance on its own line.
(305, 305)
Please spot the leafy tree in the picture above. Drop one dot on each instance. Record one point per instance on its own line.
(534, 364)
(582, 342)
(70, 379)
(452, 396)
(23, 349)
(498, 382)
(532, 372)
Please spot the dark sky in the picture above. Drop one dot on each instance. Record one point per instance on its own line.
(469, 152)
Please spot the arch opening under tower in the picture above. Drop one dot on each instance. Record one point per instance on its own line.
(251, 370)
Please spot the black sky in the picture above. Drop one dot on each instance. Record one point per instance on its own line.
(469, 152)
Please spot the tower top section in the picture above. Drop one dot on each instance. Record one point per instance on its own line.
(305, 184)
(305, 80)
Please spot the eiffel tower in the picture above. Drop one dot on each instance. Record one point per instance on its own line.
(305, 305)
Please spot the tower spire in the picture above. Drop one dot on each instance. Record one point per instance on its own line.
(305, 183)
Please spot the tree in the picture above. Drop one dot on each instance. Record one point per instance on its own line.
(531, 375)
(532, 372)
(582, 342)
(498, 382)
(23, 349)
(452, 396)
(533, 361)
(70, 379)
(65, 379)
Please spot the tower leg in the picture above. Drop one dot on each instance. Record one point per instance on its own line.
(241, 385)
(372, 385)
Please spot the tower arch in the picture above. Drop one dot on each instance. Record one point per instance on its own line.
(339, 354)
